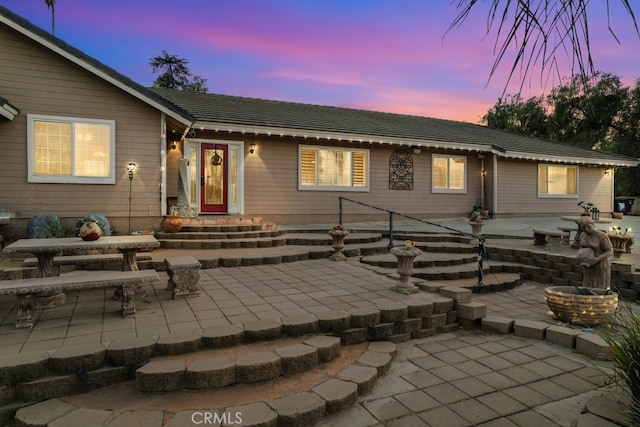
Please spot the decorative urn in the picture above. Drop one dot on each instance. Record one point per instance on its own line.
(90, 231)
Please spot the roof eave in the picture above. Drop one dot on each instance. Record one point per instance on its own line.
(573, 160)
(337, 136)
(96, 71)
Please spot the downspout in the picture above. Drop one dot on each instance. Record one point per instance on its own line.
(163, 164)
(483, 173)
(494, 175)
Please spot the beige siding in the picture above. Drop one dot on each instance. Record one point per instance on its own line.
(518, 190)
(271, 187)
(38, 81)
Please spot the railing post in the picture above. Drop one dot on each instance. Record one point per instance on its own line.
(339, 210)
(390, 229)
(481, 255)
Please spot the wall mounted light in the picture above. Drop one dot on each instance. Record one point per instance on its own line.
(174, 145)
(606, 171)
(252, 148)
(130, 167)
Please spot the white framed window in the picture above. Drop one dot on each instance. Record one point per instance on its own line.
(448, 174)
(329, 168)
(70, 150)
(557, 181)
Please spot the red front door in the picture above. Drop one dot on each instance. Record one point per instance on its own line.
(213, 178)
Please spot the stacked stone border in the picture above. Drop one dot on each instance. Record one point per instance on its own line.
(562, 270)
(42, 377)
(27, 378)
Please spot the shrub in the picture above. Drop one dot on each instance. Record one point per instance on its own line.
(44, 226)
(624, 342)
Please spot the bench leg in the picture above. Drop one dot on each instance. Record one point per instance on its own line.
(128, 301)
(26, 305)
(553, 242)
(183, 282)
(539, 239)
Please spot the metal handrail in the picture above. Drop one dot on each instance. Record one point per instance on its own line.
(481, 248)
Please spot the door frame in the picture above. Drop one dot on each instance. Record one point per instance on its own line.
(235, 203)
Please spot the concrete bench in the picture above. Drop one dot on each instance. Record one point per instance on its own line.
(184, 274)
(569, 230)
(551, 238)
(86, 260)
(26, 290)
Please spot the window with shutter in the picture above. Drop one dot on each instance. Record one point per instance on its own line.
(326, 168)
(557, 181)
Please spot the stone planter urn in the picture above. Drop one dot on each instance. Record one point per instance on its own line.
(338, 234)
(476, 228)
(171, 224)
(406, 255)
(621, 243)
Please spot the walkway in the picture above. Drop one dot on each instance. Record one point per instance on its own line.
(453, 379)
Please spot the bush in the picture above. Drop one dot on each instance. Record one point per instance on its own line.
(624, 342)
(44, 226)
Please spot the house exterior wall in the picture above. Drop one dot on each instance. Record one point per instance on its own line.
(271, 186)
(38, 81)
(517, 190)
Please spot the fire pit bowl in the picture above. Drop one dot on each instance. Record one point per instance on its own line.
(568, 305)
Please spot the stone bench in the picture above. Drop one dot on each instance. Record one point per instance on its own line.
(552, 238)
(26, 290)
(94, 259)
(184, 274)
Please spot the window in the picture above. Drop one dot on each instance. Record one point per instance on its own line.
(557, 181)
(449, 174)
(69, 150)
(333, 169)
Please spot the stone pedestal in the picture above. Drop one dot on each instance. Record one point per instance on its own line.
(405, 256)
(476, 228)
(184, 274)
(338, 244)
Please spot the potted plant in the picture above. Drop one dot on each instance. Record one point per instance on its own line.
(172, 223)
(620, 240)
(476, 221)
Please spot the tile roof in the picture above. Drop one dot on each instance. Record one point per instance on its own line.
(299, 119)
(239, 112)
(43, 37)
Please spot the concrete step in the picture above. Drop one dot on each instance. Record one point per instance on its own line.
(426, 259)
(300, 403)
(201, 233)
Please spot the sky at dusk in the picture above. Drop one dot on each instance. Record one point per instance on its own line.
(384, 55)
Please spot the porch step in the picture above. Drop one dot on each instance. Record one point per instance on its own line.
(214, 228)
(217, 233)
(425, 260)
(229, 220)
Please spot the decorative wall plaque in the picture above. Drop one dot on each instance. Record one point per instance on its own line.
(401, 170)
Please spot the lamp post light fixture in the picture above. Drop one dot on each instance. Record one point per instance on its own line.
(130, 167)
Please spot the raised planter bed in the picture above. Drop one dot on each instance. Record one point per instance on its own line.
(569, 306)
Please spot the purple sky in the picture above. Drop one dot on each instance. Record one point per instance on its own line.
(384, 55)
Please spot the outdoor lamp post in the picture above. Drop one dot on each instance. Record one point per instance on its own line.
(130, 167)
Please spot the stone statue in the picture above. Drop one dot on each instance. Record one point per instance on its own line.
(593, 255)
(183, 183)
